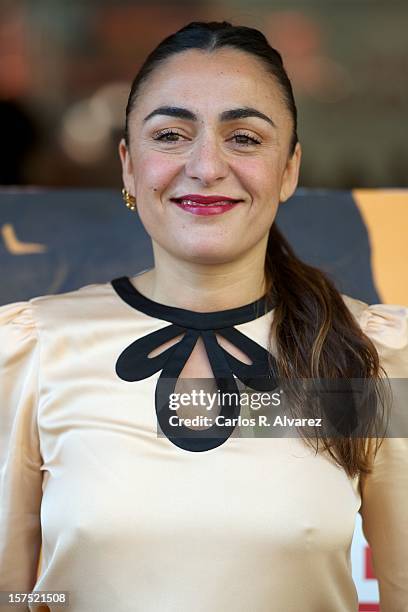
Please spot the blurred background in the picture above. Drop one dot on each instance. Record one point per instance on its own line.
(65, 72)
(66, 68)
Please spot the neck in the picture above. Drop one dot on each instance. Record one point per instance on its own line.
(204, 287)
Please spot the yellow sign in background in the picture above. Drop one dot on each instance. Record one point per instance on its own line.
(385, 214)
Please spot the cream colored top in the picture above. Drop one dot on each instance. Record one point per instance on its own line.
(130, 522)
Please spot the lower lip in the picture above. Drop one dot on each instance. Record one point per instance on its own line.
(210, 209)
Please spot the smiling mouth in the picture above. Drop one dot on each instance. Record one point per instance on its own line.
(187, 202)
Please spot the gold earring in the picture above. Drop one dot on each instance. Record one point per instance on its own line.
(129, 200)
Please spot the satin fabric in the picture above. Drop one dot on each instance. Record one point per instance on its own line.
(127, 521)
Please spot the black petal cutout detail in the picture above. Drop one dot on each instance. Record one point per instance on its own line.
(133, 363)
(259, 375)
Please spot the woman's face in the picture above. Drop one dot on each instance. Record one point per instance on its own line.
(197, 151)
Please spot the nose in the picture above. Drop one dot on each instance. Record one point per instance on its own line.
(206, 160)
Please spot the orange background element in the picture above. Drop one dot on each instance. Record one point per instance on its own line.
(385, 214)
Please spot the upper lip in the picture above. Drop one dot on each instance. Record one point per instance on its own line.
(201, 199)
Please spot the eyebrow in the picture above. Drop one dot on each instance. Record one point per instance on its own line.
(228, 115)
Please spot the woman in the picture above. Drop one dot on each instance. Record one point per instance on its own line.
(190, 520)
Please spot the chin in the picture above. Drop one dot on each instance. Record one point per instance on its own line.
(199, 248)
(207, 255)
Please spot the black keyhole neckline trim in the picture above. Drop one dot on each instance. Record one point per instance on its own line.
(133, 364)
(189, 318)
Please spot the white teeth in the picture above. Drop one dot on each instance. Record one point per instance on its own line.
(192, 203)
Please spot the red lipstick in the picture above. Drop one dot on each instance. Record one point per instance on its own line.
(198, 204)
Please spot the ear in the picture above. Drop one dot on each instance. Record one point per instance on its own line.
(127, 166)
(291, 174)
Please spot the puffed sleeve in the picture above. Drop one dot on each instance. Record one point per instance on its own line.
(20, 460)
(384, 492)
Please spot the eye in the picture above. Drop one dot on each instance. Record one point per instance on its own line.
(162, 136)
(253, 141)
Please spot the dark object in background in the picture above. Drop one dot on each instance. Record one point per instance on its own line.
(18, 137)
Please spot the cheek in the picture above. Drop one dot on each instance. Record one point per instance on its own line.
(154, 172)
(261, 178)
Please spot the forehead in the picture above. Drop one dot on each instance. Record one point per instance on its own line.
(212, 78)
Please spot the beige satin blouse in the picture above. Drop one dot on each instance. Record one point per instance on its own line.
(128, 522)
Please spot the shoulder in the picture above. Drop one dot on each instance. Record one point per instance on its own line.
(48, 311)
(90, 292)
(85, 303)
(17, 314)
(387, 326)
(18, 333)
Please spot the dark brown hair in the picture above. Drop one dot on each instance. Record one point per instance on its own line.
(316, 336)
